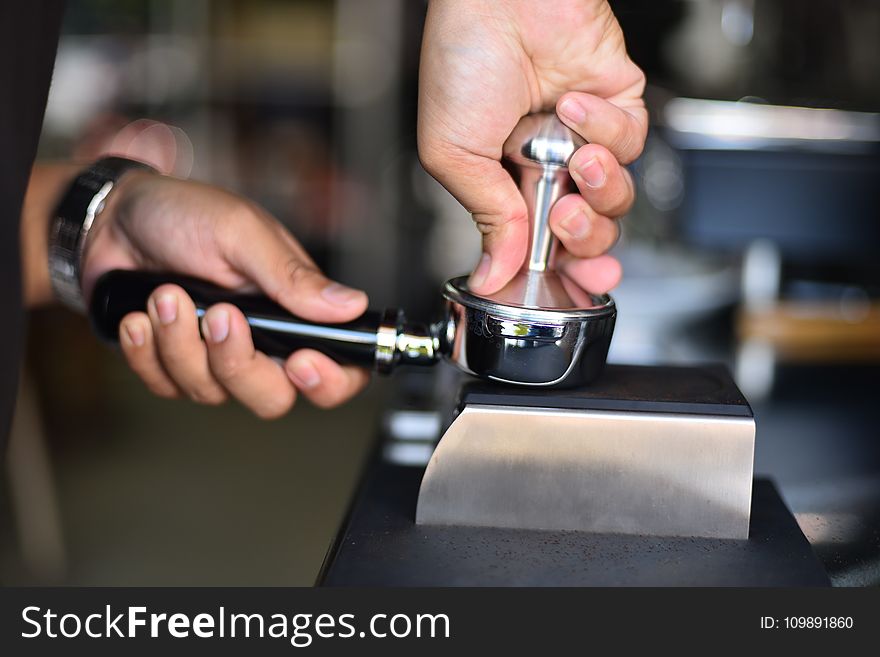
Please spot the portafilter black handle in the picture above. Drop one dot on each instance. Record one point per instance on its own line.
(376, 339)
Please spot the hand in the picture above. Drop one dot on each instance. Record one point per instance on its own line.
(487, 63)
(161, 223)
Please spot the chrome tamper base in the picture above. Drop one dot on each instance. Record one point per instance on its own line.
(539, 329)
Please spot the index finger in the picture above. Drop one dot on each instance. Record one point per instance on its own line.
(263, 251)
(621, 128)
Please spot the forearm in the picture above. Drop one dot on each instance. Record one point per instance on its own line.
(47, 184)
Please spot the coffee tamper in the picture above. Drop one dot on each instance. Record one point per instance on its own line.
(536, 331)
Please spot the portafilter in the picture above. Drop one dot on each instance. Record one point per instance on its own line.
(538, 330)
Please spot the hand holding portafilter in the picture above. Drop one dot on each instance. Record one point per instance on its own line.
(531, 332)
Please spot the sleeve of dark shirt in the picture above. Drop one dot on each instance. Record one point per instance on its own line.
(28, 41)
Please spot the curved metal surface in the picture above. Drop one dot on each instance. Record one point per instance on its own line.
(521, 347)
(661, 474)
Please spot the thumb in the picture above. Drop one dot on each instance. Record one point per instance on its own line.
(488, 192)
(286, 274)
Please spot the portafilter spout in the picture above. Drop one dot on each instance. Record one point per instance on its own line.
(536, 331)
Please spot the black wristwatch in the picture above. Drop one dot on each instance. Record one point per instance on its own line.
(70, 225)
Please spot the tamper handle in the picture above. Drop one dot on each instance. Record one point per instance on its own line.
(541, 147)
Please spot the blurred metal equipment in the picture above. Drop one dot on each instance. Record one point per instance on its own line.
(761, 285)
(778, 173)
(665, 292)
(724, 125)
(791, 188)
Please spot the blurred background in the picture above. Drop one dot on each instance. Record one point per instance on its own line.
(755, 241)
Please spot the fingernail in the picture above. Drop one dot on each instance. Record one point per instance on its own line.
(592, 173)
(216, 326)
(577, 224)
(135, 334)
(481, 273)
(341, 295)
(573, 110)
(166, 308)
(304, 375)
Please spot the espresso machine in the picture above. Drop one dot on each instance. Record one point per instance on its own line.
(548, 467)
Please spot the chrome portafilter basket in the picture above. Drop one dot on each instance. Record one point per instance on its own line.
(539, 330)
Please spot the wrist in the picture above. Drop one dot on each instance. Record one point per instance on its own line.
(86, 199)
